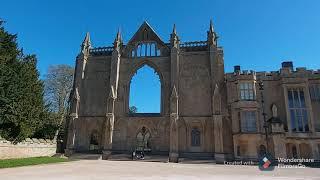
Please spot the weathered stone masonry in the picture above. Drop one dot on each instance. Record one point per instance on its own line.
(204, 111)
(27, 148)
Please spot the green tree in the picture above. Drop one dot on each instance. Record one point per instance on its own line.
(50, 125)
(133, 109)
(21, 91)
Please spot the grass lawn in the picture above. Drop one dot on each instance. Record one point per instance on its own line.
(7, 163)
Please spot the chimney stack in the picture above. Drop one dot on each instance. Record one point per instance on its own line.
(287, 64)
(237, 69)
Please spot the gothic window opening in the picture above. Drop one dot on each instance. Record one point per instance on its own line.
(152, 49)
(146, 49)
(298, 111)
(248, 121)
(133, 53)
(247, 91)
(145, 91)
(195, 137)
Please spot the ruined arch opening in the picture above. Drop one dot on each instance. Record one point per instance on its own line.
(94, 141)
(143, 140)
(145, 92)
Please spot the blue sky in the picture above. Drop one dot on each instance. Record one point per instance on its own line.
(257, 35)
(145, 90)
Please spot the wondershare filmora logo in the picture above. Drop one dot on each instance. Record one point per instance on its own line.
(266, 163)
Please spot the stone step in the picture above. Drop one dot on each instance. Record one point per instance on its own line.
(147, 158)
(77, 156)
(197, 155)
(196, 161)
(119, 157)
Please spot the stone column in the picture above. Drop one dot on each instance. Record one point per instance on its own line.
(219, 154)
(217, 126)
(174, 150)
(73, 118)
(174, 133)
(71, 136)
(113, 93)
(278, 135)
(174, 110)
(74, 109)
(108, 126)
(79, 75)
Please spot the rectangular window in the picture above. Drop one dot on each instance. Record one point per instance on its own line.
(315, 92)
(248, 121)
(298, 111)
(247, 91)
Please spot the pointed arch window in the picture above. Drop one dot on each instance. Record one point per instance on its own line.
(153, 49)
(146, 49)
(195, 137)
(145, 91)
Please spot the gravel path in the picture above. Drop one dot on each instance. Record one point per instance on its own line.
(100, 169)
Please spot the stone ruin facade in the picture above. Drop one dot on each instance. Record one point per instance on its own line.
(205, 112)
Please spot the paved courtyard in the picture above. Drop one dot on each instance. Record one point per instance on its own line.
(99, 169)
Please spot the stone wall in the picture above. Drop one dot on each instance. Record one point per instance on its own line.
(27, 148)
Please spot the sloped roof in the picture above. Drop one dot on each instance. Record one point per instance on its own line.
(145, 33)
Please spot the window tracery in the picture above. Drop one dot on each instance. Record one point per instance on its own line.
(145, 49)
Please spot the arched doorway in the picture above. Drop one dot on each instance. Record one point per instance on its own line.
(143, 140)
(94, 141)
(195, 137)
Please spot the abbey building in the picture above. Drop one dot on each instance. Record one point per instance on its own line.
(205, 112)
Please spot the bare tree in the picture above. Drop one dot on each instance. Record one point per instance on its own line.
(58, 85)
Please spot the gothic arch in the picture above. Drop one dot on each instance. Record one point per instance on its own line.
(147, 128)
(140, 65)
(157, 70)
(143, 138)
